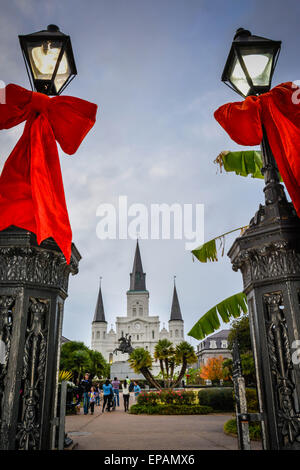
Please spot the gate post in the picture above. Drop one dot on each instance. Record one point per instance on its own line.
(33, 288)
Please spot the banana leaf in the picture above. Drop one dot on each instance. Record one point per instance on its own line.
(208, 251)
(243, 163)
(232, 307)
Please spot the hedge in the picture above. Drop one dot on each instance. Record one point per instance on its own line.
(220, 399)
(170, 409)
(254, 429)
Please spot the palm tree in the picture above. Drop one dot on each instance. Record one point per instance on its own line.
(164, 353)
(140, 361)
(185, 355)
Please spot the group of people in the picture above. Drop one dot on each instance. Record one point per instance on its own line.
(110, 393)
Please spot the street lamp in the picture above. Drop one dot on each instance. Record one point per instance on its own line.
(268, 256)
(33, 287)
(49, 60)
(250, 64)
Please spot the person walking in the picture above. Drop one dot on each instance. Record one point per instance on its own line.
(92, 396)
(116, 386)
(97, 395)
(107, 394)
(85, 387)
(126, 395)
(137, 391)
(131, 385)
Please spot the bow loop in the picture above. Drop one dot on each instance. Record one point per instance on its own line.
(31, 188)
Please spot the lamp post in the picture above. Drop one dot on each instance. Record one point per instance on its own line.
(33, 288)
(268, 256)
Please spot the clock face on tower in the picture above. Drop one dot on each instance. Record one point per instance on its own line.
(137, 326)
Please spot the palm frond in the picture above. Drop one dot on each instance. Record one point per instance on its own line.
(232, 307)
(209, 252)
(64, 375)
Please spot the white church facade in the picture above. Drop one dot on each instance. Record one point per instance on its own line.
(143, 328)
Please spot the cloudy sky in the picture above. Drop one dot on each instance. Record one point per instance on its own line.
(153, 67)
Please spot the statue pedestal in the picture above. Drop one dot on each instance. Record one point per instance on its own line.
(122, 369)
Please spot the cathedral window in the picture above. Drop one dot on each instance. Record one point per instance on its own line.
(137, 337)
(98, 334)
(134, 311)
(153, 334)
(141, 311)
(92, 335)
(103, 334)
(171, 334)
(176, 333)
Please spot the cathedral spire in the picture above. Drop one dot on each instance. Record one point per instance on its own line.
(137, 277)
(175, 310)
(99, 312)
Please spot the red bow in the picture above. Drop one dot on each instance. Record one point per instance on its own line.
(279, 112)
(31, 188)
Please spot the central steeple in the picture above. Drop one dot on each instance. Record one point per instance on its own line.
(99, 312)
(175, 309)
(137, 277)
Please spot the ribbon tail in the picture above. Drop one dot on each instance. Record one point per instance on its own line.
(48, 197)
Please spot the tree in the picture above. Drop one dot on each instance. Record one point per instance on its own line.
(78, 358)
(165, 353)
(194, 376)
(248, 368)
(184, 356)
(140, 361)
(98, 366)
(213, 370)
(240, 331)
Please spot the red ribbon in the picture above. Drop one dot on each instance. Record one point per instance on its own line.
(31, 188)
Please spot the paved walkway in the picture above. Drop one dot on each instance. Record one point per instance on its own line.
(119, 430)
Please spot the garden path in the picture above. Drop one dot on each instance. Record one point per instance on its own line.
(120, 430)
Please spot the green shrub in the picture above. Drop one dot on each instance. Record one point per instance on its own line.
(170, 409)
(254, 429)
(220, 399)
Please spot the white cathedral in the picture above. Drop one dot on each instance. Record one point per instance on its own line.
(143, 328)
